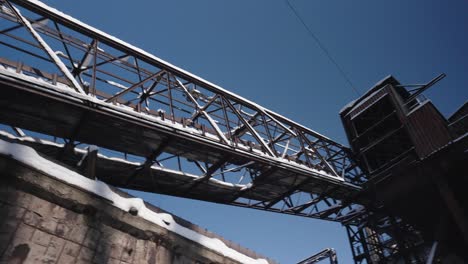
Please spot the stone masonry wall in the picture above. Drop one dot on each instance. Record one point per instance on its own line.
(43, 220)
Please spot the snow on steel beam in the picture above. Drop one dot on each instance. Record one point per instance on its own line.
(79, 26)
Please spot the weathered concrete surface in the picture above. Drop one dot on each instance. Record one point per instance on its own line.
(44, 220)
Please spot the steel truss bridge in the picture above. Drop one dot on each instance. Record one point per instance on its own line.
(159, 128)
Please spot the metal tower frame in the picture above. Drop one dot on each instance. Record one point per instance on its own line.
(328, 253)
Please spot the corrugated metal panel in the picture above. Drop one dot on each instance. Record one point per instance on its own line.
(428, 129)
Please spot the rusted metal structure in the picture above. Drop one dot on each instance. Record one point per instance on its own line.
(326, 254)
(416, 163)
(164, 130)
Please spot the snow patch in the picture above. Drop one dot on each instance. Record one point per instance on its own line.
(349, 105)
(116, 84)
(30, 157)
(91, 148)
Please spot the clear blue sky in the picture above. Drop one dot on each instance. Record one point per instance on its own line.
(258, 49)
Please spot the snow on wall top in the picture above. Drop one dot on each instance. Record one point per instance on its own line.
(30, 157)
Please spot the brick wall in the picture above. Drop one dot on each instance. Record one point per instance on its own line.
(44, 220)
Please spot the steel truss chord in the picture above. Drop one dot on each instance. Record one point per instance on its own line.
(27, 24)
